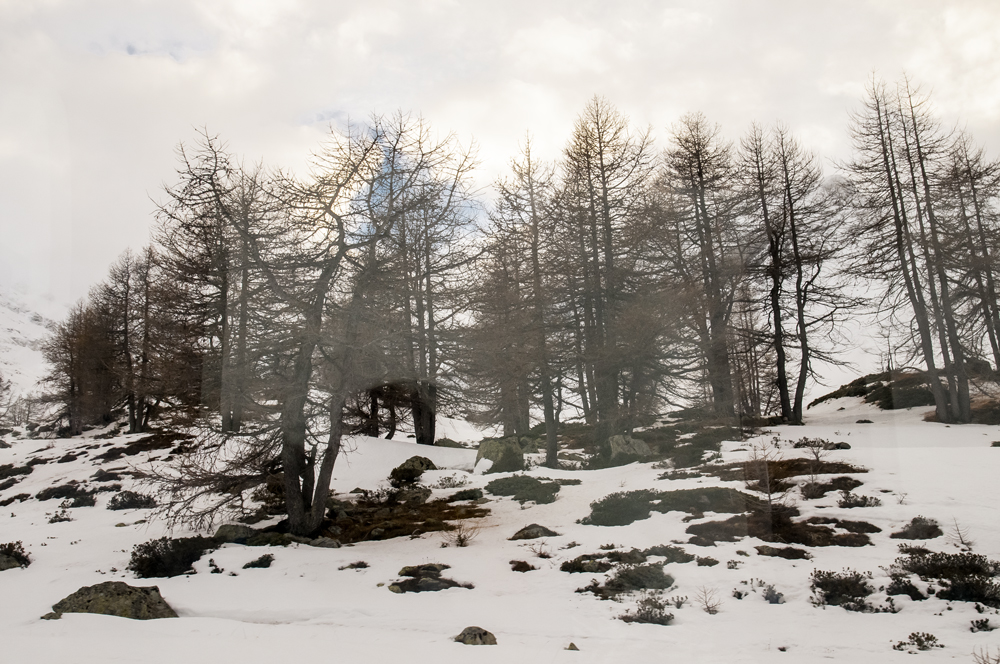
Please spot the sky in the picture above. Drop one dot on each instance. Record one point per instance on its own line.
(95, 95)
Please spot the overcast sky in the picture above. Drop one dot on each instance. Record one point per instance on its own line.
(96, 94)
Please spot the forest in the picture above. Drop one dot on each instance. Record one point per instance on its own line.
(279, 313)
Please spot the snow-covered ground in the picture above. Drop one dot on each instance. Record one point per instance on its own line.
(304, 608)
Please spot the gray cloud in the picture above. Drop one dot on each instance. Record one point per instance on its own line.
(96, 94)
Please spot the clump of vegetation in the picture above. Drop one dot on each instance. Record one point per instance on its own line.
(460, 535)
(673, 554)
(166, 557)
(15, 551)
(650, 609)
(591, 563)
(814, 490)
(888, 390)
(62, 516)
(919, 641)
(707, 562)
(521, 566)
(130, 500)
(86, 500)
(465, 494)
(623, 508)
(524, 488)
(630, 578)
(981, 625)
(919, 528)
(848, 589)
(850, 500)
(260, 563)
(964, 577)
(69, 491)
(360, 564)
(620, 508)
(10, 470)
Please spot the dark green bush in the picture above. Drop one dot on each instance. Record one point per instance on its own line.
(16, 551)
(630, 578)
(621, 508)
(130, 500)
(167, 557)
(466, 494)
(673, 554)
(650, 610)
(262, 562)
(919, 528)
(849, 500)
(948, 565)
(63, 491)
(847, 589)
(524, 488)
(9, 470)
(86, 500)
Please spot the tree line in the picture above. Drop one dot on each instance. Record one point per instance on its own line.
(284, 312)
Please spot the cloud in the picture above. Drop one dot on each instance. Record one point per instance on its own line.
(97, 93)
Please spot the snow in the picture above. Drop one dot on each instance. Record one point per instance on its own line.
(25, 322)
(304, 608)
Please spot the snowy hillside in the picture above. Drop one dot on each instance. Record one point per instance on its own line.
(24, 324)
(310, 605)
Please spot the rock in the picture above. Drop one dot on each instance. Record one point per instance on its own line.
(8, 562)
(476, 636)
(325, 543)
(114, 598)
(505, 453)
(427, 570)
(628, 445)
(417, 495)
(533, 531)
(410, 470)
(234, 532)
(424, 578)
(572, 646)
(842, 446)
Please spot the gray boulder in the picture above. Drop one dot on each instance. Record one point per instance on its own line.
(114, 598)
(417, 495)
(628, 445)
(476, 636)
(534, 531)
(410, 470)
(505, 453)
(325, 543)
(234, 532)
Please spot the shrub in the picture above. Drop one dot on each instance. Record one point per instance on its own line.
(64, 491)
(847, 589)
(651, 610)
(85, 500)
(620, 509)
(849, 500)
(630, 578)
(920, 641)
(673, 554)
(919, 528)
(981, 625)
(260, 563)
(524, 488)
(130, 500)
(707, 562)
(773, 596)
(16, 551)
(948, 565)
(167, 557)
(465, 494)
(9, 470)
